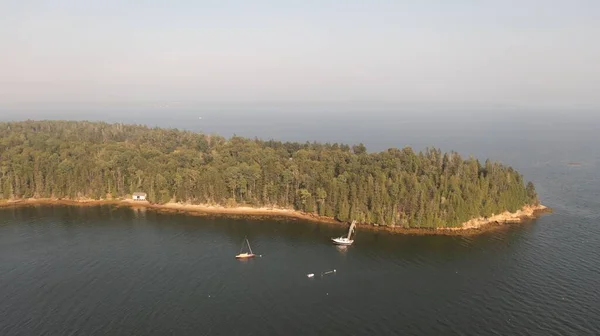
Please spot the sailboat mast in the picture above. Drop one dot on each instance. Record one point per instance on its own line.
(351, 229)
(249, 246)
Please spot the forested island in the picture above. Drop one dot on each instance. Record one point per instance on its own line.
(394, 188)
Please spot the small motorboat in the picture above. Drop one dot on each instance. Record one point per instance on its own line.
(345, 240)
(245, 255)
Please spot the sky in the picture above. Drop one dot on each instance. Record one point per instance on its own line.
(480, 52)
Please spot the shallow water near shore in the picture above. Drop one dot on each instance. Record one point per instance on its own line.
(474, 227)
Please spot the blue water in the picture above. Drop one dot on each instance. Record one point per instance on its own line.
(104, 270)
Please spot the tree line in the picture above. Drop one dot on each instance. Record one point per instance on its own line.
(67, 159)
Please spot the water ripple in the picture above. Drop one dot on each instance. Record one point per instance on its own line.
(108, 272)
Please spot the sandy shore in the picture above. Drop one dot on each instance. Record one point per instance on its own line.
(204, 209)
(474, 226)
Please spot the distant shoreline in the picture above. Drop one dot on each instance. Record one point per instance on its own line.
(471, 227)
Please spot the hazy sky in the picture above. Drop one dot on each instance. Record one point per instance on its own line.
(519, 52)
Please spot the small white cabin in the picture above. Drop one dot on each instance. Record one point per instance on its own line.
(139, 196)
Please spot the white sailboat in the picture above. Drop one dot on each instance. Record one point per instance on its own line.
(345, 240)
(245, 255)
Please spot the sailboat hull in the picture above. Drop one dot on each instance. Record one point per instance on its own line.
(342, 241)
(245, 256)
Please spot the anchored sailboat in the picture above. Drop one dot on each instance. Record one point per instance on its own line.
(245, 255)
(345, 240)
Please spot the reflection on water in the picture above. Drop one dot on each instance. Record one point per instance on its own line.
(173, 273)
(342, 249)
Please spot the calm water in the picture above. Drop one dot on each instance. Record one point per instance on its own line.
(117, 271)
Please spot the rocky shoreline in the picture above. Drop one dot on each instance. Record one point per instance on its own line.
(473, 226)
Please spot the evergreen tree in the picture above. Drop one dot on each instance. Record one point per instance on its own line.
(98, 160)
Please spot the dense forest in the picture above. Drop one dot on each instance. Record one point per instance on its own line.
(64, 159)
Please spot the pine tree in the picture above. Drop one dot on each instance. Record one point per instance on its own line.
(394, 187)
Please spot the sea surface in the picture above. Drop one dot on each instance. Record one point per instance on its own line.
(118, 271)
